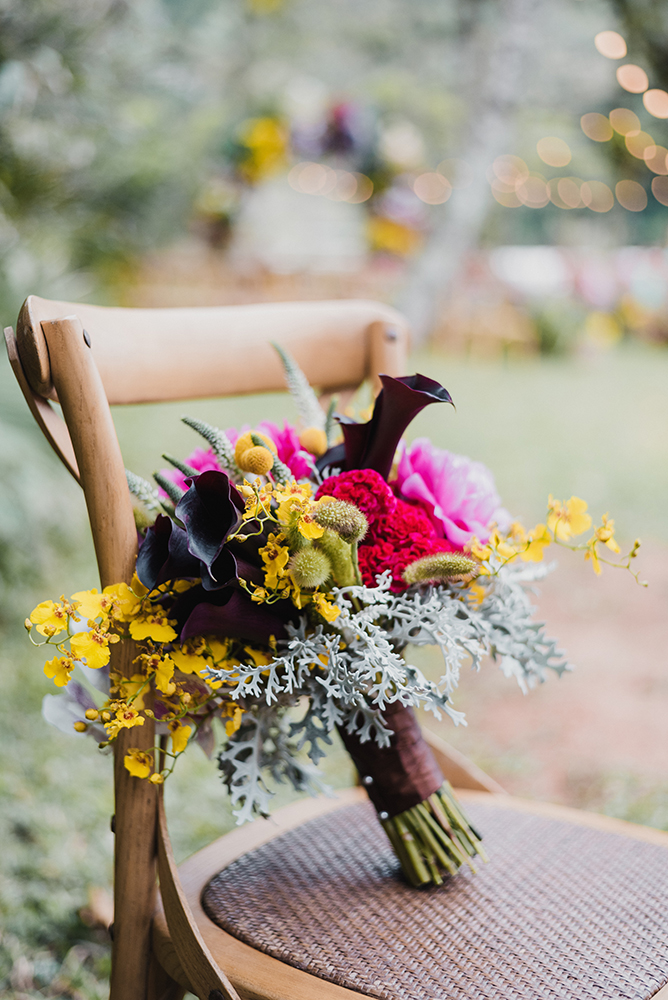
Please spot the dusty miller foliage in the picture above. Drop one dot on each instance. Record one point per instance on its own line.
(347, 673)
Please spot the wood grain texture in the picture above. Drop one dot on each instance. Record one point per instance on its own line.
(261, 977)
(52, 427)
(98, 456)
(199, 967)
(149, 355)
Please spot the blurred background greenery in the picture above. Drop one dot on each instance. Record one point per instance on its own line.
(497, 170)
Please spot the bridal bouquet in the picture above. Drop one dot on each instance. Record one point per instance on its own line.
(281, 577)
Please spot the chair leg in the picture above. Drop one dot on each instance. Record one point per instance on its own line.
(161, 986)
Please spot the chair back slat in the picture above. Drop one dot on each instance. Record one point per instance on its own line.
(157, 355)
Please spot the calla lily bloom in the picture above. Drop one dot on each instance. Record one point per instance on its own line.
(372, 445)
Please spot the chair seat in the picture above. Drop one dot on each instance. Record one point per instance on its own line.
(562, 909)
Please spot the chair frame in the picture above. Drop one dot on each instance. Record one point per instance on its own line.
(163, 945)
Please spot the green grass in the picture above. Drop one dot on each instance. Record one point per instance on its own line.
(590, 426)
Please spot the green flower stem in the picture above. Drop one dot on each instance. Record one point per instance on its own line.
(433, 837)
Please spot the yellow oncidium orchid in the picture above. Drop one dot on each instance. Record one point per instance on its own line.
(93, 647)
(232, 714)
(330, 612)
(537, 539)
(126, 718)
(153, 625)
(180, 736)
(89, 603)
(164, 671)
(606, 533)
(567, 519)
(59, 670)
(275, 557)
(138, 762)
(129, 688)
(125, 601)
(50, 618)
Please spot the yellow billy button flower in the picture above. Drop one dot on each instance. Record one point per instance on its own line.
(330, 612)
(59, 670)
(314, 439)
(138, 763)
(93, 647)
(245, 443)
(180, 736)
(50, 618)
(567, 519)
(537, 539)
(153, 625)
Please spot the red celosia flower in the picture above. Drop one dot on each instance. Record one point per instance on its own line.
(364, 488)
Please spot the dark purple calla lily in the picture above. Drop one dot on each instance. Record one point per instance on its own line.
(210, 510)
(163, 554)
(240, 618)
(372, 445)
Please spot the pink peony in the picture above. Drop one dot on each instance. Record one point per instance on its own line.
(458, 495)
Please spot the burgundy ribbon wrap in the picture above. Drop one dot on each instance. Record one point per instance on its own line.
(403, 774)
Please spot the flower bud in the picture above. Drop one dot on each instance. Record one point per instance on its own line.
(92, 714)
(80, 727)
(156, 778)
(27, 624)
(343, 518)
(310, 568)
(258, 460)
(441, 566)
(314, 439)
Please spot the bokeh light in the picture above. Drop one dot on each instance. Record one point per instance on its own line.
(660, 189)
(624, 121)
(597, 196)
(610, 44)
(569, 191)
(533, 191)
(596, 126)
(553, 151)
(656, 158)
(505, 197)
(339, 185)
(638, 143)
(631, 195)
(432, 188)
(656, 102)
(457, 171)
(632, 78)
(510, 170)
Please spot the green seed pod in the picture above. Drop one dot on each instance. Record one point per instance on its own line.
(310, 568)
(340, 558)
(442, 566)
(343, 518)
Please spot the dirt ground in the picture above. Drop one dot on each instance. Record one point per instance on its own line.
(578, 739)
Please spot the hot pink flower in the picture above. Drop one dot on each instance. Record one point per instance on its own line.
(458, 495)
(202, 459)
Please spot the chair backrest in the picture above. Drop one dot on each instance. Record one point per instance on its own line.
(88, 357)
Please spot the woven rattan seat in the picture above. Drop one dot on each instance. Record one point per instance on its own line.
(562, 910)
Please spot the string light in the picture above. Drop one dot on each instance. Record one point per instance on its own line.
(597, 196)
(660, 189)
(432, 188)
(656, 158)
(656, 102)
(553, 151)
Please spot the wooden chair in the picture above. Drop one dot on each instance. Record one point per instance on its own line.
(335, 923)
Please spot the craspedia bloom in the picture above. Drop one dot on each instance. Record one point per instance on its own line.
(443, 566)
(343, 518)
(313, 439)
(245, 442)
(256, 460)
(310, 568)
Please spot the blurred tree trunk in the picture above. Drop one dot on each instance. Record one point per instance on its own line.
(501, 86)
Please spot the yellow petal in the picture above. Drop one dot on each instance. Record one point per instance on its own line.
(138, 764)
(84, 647)
(90, 603)
(59, 670)
(142, 628)
(180, 738)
